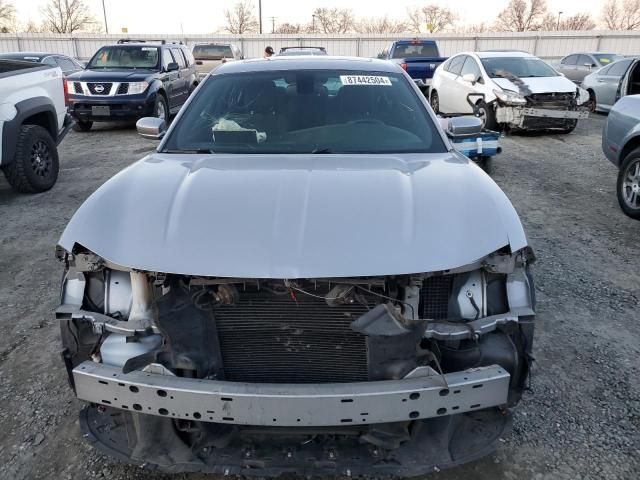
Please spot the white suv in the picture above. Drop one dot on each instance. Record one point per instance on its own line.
(512, 89)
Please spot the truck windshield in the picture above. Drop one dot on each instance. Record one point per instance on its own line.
(416, 50)
(523, 67)
(125, 56)
(305, 111)
(212, 52)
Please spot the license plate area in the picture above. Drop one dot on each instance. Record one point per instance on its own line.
(100, 110)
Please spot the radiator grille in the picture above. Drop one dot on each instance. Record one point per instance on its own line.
(123, 89)
(551, 101)
(99, 88)
(77, 87)
(434, 297)
(273, 338)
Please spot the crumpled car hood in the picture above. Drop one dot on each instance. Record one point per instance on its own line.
(296, 216)
(558, 84)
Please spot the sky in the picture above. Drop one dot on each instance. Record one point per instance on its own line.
(206, 16)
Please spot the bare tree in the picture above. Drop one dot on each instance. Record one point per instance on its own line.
(579, 21)
(622, 14)
(474, 28)
(432, 18)
(380, 25)
(7, 16)
(522, 15)
(334, 20)
(241, 19)
(67, 16)
(32, 27)
(290, 28)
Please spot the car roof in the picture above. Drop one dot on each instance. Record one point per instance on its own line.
(503, 54)
(38, 55)
(220, 44)
(309, 62)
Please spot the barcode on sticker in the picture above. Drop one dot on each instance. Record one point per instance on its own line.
(365, 80)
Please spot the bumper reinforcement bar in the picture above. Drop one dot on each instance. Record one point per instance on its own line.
(292, 404)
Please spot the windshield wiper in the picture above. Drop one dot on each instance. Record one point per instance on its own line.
(321, 150)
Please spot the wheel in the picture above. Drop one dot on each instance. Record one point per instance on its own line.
(628, 186)
(488, 116)
(35, 165)
(82, 125)
(435, 102)
(161, 109)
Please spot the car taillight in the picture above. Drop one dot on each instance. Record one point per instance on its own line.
(65, 88)
(404, 66)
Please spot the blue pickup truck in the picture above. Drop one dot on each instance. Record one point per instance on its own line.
(418, 57)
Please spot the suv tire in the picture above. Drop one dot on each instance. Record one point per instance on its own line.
(434, 101)
(82, 125)
(35, 165)
(629, 183)
(161, 108)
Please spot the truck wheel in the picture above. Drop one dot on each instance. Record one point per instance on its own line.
(628, 187)
(82, 125)
(435, 102)
(35, 165)
(488, 115)
(161, 110)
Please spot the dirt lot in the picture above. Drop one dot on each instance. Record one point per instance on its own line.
(581, 419)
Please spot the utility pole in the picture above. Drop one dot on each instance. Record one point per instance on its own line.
(558, 24)
(260, 14)
(273, 24)
(313, 23)
(104, 12)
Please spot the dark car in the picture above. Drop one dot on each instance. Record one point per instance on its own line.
(67, 64)
(418, 57)
(130, 80)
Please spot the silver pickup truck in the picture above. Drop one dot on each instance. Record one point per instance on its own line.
(33, 121)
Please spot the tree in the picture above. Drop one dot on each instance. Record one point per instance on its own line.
(622, 14)
(334, 20)
(522, 15)
(7, 16)
(67, 16)
(579, 21)
(380, 25)
(241, 19)
(432, 18)
(290, 28)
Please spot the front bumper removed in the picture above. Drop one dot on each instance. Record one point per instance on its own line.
(517, 116)
(293, 405)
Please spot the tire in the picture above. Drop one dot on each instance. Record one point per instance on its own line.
(161, 106)
(628, 185)
(35, 165)
(592, 103)
(82, 125)
(434, 101)
(488, 114)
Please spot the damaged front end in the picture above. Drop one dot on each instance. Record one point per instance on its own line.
(382, 375)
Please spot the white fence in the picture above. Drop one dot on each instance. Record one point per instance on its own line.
(548, 45)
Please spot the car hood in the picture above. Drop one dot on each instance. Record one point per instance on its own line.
(296, 216)
(111, 75)
(557, 84)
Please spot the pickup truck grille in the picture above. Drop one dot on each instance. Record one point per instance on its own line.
(266, 337)
(77, 88)
(123, 89)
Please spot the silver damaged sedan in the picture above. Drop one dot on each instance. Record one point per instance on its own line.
(305, 278)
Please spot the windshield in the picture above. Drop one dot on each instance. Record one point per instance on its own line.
(523, 67)
(125, 56)
(415, 50)
(212, 52)
(607, 58)
(306, 111)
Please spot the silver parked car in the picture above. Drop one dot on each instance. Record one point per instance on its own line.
(621, 145)
(305, 278)
(609, 84)
(578, 65)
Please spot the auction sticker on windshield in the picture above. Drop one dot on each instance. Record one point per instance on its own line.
(365, 80)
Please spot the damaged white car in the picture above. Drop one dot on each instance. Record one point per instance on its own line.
(513, 89)
(304, 278)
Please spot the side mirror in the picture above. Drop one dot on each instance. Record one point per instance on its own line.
(152, 128)
(589, 65)
(470, 78)
(466, 125)
(198, 62)
(172, 67)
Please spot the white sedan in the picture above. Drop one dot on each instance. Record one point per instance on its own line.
(510, 89)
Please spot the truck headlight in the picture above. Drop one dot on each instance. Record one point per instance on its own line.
(509, 97)
(137, 87)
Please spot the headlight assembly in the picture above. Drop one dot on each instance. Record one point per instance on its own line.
(509, 97)
(137, 87)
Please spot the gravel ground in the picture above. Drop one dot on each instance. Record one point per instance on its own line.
(581, 419)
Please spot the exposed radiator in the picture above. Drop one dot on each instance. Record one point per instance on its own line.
(273, 338)
(434, 297)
